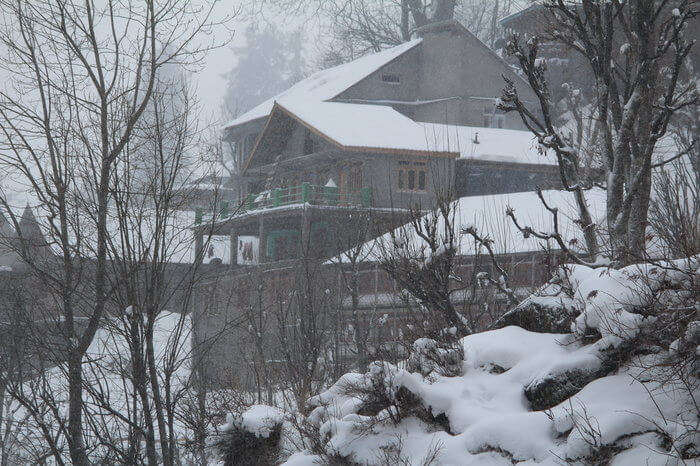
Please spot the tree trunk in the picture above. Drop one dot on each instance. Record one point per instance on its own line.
(155, 389)
(637, 223)
(405, 21)
(587, 224)
(493, 27)
(141, 385)
(76, 443)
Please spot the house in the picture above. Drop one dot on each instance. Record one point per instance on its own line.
(383, 134)
(237, 316)
(341, 158)
(566, 66)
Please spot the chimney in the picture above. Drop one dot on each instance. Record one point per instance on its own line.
(444, 61)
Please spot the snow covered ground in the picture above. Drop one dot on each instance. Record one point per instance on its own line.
(107, 369)
(601, 409)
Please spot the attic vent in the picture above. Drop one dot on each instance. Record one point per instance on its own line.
(391, 78)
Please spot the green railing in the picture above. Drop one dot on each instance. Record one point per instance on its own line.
(308, 193)
(302, 194)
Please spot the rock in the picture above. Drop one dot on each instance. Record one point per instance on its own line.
(492, 368)
(541, 314)
(550, 391)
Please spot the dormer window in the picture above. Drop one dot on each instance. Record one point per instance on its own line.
(391, 78)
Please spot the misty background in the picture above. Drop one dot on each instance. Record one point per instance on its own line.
(276, 44)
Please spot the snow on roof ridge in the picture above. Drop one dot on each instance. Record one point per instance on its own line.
(326, 84)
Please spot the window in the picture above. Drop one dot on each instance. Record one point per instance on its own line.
(349, 182)
(391, 78)
(493, 118)
(412, 175)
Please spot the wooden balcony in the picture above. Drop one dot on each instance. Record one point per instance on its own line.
(304, 194)
(307, 193)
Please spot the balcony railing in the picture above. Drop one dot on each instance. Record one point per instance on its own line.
(302, 194)
(308, 193)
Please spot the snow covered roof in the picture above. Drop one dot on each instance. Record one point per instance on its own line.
(487, 215)
(327, 84)
(381, 128)
(487, 144)
(520, 8)
(360, 126)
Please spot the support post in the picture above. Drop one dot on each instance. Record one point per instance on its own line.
(233, 252)
(305, 240)
(198, 246)
(262, 240)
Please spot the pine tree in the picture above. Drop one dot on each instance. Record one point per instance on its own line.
(271, 62)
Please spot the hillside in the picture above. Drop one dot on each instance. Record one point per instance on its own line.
(621, 387)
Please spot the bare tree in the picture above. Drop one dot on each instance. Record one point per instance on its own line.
(286, 333)
(420, 257)
(482, 18)
(352, 28)
(151, 268)
(81, 77)
(638, 89)
(348, 269)
(674, 212)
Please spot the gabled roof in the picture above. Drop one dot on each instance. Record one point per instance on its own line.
(29, 228)
(367, 127)
(379, 128)
(326, 84)
(358, 127)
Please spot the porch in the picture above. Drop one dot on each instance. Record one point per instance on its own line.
(305, 221)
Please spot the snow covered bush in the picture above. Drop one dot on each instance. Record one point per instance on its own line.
(442, 357)
(251, 438)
